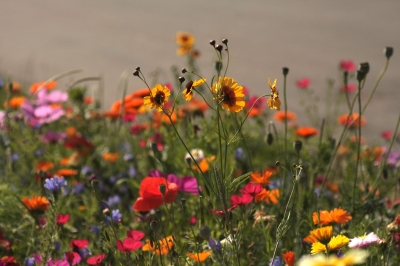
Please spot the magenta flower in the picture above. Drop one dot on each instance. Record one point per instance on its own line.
(303, 83)
(349, 88)
(244, 199)
(53, 137)
(186, 184)
(44, 98)
(132, 242)
(72, 257)
(252, 189)
(347, 65)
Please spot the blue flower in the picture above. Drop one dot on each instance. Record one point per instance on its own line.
(29, 262)
(113, 200)
(132, 171)
(55, 183)
(214, 244)
(276, 262)
(239, 154)
(116, 216)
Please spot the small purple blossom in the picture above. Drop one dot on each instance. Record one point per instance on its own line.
(53, 137)
(113, 200)
(214, 244)
(29, 262)
(132, 171)
(394, 159)
(276, 262)
(55, 183)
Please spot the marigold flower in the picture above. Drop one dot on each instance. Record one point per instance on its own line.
(320, 234)
(163, 246)
(306, 132)
(36, 203)
(337, 215)
(352, 120)
(337, 242)
(282, 117)
(66, 172)
(36, 86)
(364, 241)
(289, 258)
(269, 196)
(352, 257)
(261, 178)
(158, 97)
(273, 102)
(185, 42)
(15, 102)
(199, 257)
(188, 92)
(229, 93)
(110, 156)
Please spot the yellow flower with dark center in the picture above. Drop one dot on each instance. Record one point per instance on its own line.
(188, 92)
(322, 234)
(229, 93)
(273, 102)
(185, 42)
(158, 97)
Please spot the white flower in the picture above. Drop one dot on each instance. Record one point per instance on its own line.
(197, 154)
(364, 241)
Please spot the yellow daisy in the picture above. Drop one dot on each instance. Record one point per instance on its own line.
(229, 93)
(318, 247)
(352, 257)
(273, 101)
(185, 41)
(337, 242)
(188, 92)
(158, 97)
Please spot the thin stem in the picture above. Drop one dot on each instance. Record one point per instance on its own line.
(346, 83)
(286, 122)
(358, 148)
(227, 63)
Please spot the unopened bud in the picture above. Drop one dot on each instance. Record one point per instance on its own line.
(225, 41)
(162, 188)
(136, 73)
(184, 70)
(298, 145)
(388, 51)
(154, 225)
(181, 79)
(277, 163)
(188, 160)
(183, 202)
(212, 42)
(270, 138)
(361, 75)
(218, 65)
(364, 67)
(205, 232)
(285, 71)
(137, 68)
(219, 47)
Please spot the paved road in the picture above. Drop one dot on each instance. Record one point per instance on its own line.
(42, 38)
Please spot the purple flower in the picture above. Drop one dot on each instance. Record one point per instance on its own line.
(42, 114)
(44, 98)
(156, 173)
(116, 216)
(113, 200)
(53, 137)
(394, 159)
(29, 262)
(132, 171)
(55, 183)
(214, 244)
(239, 154)
(86, 170)
(276, 262)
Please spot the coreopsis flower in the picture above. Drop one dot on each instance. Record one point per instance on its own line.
(306, 132)
(352, 257)
(337, 215)
(289, 258)
(229, 93)
(36, 203)
(281, 116)
(303, 83)
(273, 102)
(188, 92)
(96, 260)
(199, 257)
(157, 98)
(185, 42)
(353, 120)
(364, 241)
(162, 247)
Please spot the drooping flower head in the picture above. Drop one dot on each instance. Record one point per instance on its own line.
(158, 97)
(188, 92)
(273, 102)
(229, 93)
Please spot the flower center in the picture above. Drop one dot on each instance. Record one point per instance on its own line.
(159, 98)
(228, 96)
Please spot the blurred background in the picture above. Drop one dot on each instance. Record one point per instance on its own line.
(43, 38)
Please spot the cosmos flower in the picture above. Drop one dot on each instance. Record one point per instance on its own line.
(229, 93)
(273, 102)
(364, 241)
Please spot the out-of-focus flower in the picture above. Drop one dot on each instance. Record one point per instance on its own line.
(348, 88)
(260, 216)
(241, 200)
(394, 159)
(276, 262)
(36, 203)
(352, 120)
(65, 172)
(132, 242)
(214, 244)
(116, 216)
(185, 41)
(289, 258)
(303, 83)
(258, 106)
(162, 247)
(41, 85)
(387, 134)
(62, 219)
(96, 260)
(199, 257)
(269, 196)
(78, 143)
(53, 137)
(352, 257)
(337, 215)
(193, 220)
(8, 261)
(110, 156)
(188, 92)
(273, 102)
(306, 132)
(252, 189)
(261, 178)
(55, 183)
(80, 246)
(15, 102)
(72, 257)
(227, 91)
(364, 241)
(347, 65)
(186, 184)
(395, 225)
(29, 262)
(44, 98)
(157, 98)
(281, 116)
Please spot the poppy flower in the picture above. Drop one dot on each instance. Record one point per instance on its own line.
(157, 98)
(229, 93)
(78, 244)
(186, 184)
(188, 92)
(185, 41)
(162, 248)
(96, 260)
(353, 120)
(128, 245)
(252, 189)
(72, 257)
(306, 132)
(36, 86)
(337, 215)
(150, 195)
(289, 258)
(273, 102)
(36, 203)
(303, 83)
(199, 257)
(282, 117)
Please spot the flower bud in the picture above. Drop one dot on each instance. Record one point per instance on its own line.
(137, 68)
(270, 138)
(298, 145)
(285, 71)
(181, 79)
(205, 232)
(219, 47)
(277, 163)
(136, 73)
(218, 65)
(388, 51)
(364, 67)
(225, 41)
(184, 70)
(212, 42)
(361, 75)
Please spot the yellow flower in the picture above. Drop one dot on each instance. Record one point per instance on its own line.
(322, 234)
(158, 97)
(273, 101)
(337, 242)
(185, 42)
(229, 93)
(188, 92)
(352, 257)
(318, 247)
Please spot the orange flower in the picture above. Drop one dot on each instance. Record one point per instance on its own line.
(162, 248)
(110, 157)
(322, 234)
(15, 102)
(49, 86)
(352, 120)
(337, 215)
(71, 131)
(289, 258)
(269, 196)
(88, 100)
(263, 178)
(281, 117)
(66, 172)
(199, 257)
(306, 132)
(203, 166)
(44, 166)
(36, 203)
(185, 42)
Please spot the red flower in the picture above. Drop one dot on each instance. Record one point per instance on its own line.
(347, 65)
(150, 195)
(78, 143)
(4, 243)
(387, 135)
(78, 244)
(135, 235)
(128, 245)
(303, 83)
(306, 132)
(193, 220)
(349, 88)
(242, 200)
(8, 261)
(252, 189)
(62, 219)
(72, 257)
(96, 260)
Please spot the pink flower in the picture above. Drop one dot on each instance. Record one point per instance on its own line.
(364, 241)
(62, 219)
(347, 65)
(96, 260)
(387, 134)
(242, 200)
(252, 189)
(132, 242)
(303, 83)
(193, 220)
(349, 88)
(72, 257)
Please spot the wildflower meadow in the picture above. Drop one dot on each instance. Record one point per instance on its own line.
(196, 170)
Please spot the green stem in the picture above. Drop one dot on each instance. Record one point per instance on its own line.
(358, 148)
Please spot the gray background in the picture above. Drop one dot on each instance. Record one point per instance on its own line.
(42, 38)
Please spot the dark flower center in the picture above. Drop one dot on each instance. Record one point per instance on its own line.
(159, 98)
(229, 97)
